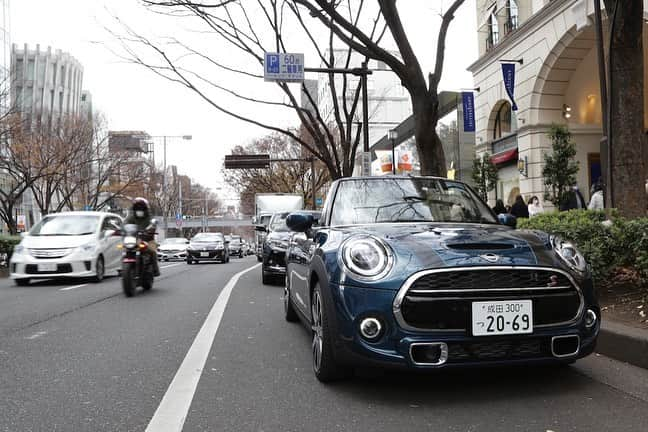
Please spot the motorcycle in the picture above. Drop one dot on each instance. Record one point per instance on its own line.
(137, 265)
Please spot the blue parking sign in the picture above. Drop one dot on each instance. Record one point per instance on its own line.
(272, 63)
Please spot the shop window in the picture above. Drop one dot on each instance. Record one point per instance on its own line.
(502, 125)
(512, 14)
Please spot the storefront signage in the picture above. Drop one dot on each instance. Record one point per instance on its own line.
(468, 100)
(508, 69)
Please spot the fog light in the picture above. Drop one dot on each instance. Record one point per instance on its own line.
(590, 318)
(370, 328)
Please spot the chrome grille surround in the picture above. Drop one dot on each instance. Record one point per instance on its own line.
(50, 253)
(405, 288)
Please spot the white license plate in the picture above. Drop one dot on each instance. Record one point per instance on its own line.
(204, 254)
(47, 267)
(491, 318)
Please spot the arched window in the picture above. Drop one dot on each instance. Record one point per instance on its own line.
(512, 16)
(493, 28)
(502, 125)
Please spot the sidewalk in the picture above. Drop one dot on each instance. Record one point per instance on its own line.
(624, 343)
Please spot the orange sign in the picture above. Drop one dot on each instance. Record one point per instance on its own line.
(386, 162)
(405, 161)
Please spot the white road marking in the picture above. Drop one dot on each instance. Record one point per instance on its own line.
(172, 411)
(36, 335)
(72, 287)
(172, 265)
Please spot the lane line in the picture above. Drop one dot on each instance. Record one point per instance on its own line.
(72, 287)
(172, 265)
(172, 411)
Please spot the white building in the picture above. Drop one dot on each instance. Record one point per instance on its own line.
(556, 82)
(5, 54)
(389, 102)
(45, 84)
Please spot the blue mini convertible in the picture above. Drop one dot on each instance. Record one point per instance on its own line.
(417, 272)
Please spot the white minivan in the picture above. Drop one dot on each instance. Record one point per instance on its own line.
(69, 244)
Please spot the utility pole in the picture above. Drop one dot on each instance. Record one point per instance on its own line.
(365, 118)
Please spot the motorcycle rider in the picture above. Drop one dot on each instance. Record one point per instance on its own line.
(140, 216)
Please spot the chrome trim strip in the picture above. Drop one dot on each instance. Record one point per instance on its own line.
(443, 357)
(489, 290)
(565, 337)
(398, 300)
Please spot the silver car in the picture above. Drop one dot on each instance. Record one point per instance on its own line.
(173, 248)
(71, 244)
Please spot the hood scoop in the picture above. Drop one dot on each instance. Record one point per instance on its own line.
(481, 246)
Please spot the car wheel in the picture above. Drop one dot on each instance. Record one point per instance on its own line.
(22, 282)
(289, 309)
(324, 365)
(265, 277)
(260, 259)
(100, 270)
(189, 261)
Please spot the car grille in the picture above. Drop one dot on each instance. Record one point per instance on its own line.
(277, 259)
(49, 253)
(443, 300)
(460, 352)
(60, 268)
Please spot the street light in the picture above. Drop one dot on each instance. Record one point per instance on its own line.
(393, 135)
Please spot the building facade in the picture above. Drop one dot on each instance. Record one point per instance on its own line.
(45, 84)
(552, 44)
(5, 55)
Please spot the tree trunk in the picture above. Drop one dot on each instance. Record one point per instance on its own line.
(428, 143)
(626, 108)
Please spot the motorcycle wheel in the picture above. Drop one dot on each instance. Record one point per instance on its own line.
(128, 280)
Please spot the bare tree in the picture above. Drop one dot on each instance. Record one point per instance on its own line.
(332, 137)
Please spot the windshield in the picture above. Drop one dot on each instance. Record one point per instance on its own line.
(381, 200)
(207, 237)
(61, 225)
(264, 219)
(278, 222)
(175, 241)
(235, 240)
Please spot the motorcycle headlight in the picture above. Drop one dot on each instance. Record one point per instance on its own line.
(88, 247)
(130, 241)
(569, 254)
(367, 257)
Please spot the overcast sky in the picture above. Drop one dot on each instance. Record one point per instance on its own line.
(132, 98)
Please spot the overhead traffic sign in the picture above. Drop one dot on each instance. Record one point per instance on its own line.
(249, 161)
(283, 67)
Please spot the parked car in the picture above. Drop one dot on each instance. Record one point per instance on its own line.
(207, 246)
(235, 245)
(70, 244)
(173, 248)
(419, 273)
(245, 248)
(275, 244)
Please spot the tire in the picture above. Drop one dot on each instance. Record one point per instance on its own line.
(22, 282)
(326, 368)
(227, 259)
(260, 259)
(265, 277)
(147, 281)
(100, 270)
(128, 280)
(189, 261)
(289, 310)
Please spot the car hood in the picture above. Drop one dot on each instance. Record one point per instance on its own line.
(56, 242)
(453, 245)
(278, 235)
(173, 247)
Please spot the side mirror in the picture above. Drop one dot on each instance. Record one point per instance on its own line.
(260, 228)
(107, 233)
(117, 233)
(507, 219)
(23, 234)
(300, 222)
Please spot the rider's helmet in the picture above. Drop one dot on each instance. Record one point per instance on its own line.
(140, 207)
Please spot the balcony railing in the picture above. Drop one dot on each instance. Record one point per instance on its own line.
(508, 142)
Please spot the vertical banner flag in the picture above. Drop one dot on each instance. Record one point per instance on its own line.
(405, 161)
(386, 162)
(468, 102)
(508, 69)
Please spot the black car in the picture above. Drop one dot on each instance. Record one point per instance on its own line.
(275, 245)
(419, 273)
(207, 246)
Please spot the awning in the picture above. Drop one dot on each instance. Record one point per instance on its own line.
(505, 156)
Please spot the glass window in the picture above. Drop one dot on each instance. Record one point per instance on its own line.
(278, 222)
(493, 28)
(384, 200)
(64, 225)
(502, 121)
(207, 237)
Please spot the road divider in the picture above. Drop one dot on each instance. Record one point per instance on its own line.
(172, 411)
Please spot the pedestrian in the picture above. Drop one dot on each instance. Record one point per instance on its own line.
(573, 200)
(535, 208)
(596, 200)
(499, 207)
(520, 209)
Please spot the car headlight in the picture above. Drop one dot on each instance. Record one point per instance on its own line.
(18, 249)
(367, 257)
(88, 247)
(130, 241)
(568, 253)
(278, 244)
(219, 246)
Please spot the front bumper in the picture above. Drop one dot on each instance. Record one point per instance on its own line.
(169, 255)
(274, 261)
(24, 266)
(207, 254)
(401, 348)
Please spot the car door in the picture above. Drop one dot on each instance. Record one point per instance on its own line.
(109, 242)
(302, 250)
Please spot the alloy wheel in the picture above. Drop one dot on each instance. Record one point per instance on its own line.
(316, 310)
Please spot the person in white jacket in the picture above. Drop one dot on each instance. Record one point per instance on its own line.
(596, 201)
(535, 207)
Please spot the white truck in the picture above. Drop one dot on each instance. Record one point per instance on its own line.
(265, 205)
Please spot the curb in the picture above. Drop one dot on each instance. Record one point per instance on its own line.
(624, 343)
